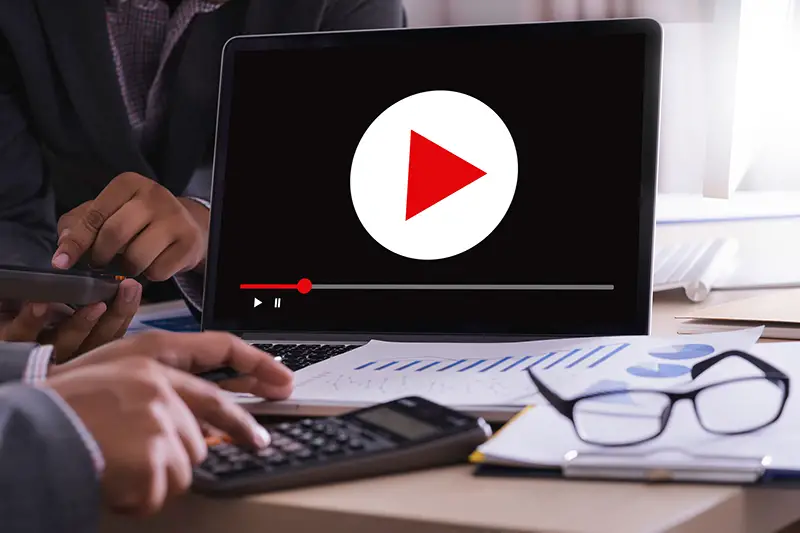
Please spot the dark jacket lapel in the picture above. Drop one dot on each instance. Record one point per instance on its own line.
(79, 41)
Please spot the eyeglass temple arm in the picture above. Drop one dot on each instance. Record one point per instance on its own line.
(560, 404)
(762, 365)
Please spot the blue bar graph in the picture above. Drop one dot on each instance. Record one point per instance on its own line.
(473, 365)
(562, 359)
(409, 365)
(609, 355)
(512, 365)
(451, 365)
(496, 363)
(589, 357)
(426, 367)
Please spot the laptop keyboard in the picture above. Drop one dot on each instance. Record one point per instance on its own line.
(297, 356)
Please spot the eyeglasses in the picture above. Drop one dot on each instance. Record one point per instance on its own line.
(630, 417)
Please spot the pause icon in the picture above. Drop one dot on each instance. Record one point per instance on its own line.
(277, 303)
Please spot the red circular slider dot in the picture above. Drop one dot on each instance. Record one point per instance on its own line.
(304, 286)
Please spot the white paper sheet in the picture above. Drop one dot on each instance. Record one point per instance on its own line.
(542, 437)
(494, 374)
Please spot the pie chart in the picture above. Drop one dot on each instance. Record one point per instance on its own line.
(611, 386)
(659, 370)
(679, 352)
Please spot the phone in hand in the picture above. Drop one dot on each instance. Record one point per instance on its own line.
(76, 288)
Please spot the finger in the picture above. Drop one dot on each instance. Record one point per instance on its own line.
(176, 258)
(27, 325)
(114, 323)
(68, 336)
(211, 350)
(156, 487)
(136, 483)
(210, 405)
(68, 219)
(188, 430)
(77, 238)
(145, 248)
(248, 385)
(119, 230)
(179, 468)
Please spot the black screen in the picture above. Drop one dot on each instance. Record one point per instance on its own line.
(581, 217)
(398, 423)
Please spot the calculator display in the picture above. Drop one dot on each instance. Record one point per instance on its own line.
(397, 423)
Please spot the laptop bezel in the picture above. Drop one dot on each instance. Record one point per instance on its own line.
(648, 28)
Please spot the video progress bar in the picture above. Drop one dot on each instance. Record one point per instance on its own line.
(460, 287)
(433, 287)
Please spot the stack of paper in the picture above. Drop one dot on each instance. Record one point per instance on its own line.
(777, 311)
(490, 379)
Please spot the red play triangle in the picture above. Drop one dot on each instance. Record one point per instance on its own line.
(434, 174)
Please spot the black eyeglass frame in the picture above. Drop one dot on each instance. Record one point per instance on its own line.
(566, 407)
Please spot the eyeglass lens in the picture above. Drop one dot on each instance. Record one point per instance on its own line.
(631, 417)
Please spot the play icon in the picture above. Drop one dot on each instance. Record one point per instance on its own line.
(434, 175)
(256, 302)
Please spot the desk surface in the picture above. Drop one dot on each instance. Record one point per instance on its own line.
(452, 500)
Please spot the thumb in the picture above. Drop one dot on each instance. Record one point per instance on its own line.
(73, 240)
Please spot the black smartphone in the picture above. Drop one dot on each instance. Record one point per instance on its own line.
(71, 287)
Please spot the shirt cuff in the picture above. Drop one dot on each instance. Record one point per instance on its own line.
(38, 365)
(80, 427)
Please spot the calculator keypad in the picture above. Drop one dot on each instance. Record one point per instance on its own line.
(303, 443)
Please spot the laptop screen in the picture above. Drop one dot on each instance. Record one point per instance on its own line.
(484, 181)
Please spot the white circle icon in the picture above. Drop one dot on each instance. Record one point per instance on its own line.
(434, 175)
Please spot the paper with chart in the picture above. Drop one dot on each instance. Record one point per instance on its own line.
(522, 442)
(493, 374)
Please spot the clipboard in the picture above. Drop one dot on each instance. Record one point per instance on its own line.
(680, 467)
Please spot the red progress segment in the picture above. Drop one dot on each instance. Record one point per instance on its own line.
(303, 286)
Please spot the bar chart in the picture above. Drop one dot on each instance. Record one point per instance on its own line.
(587, 357)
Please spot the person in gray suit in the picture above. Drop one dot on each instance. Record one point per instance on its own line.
(121, 426)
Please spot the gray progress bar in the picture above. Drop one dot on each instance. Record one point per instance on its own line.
(456, 287)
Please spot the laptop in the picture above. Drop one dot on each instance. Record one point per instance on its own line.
(461, 184)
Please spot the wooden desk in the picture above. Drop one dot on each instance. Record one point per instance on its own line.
(451, 500)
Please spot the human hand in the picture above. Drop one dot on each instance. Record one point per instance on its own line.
(154, 232)
(70, 332)
(146, 418)
(262, 375)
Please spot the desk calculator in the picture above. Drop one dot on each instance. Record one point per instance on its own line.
(406, 434)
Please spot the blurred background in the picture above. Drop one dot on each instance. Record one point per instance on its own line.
(731, 87)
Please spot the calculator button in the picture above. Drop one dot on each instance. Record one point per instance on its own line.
(296, 432)
(306, 437)
(319, 427)
(342, 437)
(356, 444)
(318, 442)
(277, 460)
(332, 449)
(304, 454)
(280, 441)
(284, 427)
(267, 452)
(292, 447)
(307, 422)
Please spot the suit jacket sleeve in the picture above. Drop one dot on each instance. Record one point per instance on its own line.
(14, 361)
(27, 208)
(340, 15)
(48, 481)
(364, 15)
